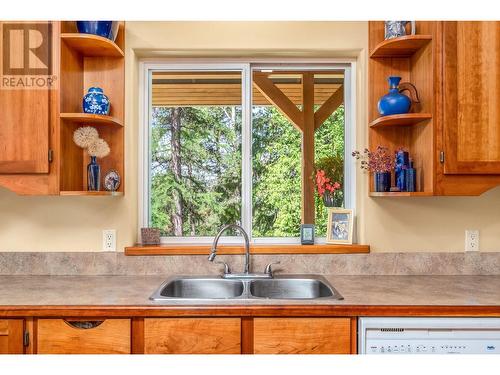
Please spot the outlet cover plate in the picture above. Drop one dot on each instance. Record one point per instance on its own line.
(109, 240)
(471, 240)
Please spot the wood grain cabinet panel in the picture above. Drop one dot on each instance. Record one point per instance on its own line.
(192, 336)
(472, 97)
(58, 336)
(11, 336)
(25, 114)
(302, 336)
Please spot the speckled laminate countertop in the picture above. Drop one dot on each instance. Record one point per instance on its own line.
(40, 291)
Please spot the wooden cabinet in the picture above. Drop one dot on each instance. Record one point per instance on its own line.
(37, 152)
(192, 336)
(471, 58)
(24, 131)
(60, 336)
(303, 336)
(11, 336)
(453, 134)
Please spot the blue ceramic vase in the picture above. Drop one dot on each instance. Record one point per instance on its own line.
(382, 181)
(106, 29)
(394, 102)
(96, 102)
(93, 175)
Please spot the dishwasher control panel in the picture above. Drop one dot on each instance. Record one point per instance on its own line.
(395, 347)
(429, 335)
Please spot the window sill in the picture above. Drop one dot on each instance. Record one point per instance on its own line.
(141, 250)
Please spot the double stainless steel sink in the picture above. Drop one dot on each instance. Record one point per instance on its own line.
(284, 287)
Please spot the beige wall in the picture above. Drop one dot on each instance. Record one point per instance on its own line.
(406, 224)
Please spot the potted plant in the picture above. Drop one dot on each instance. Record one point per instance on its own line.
(378, 162)
(328, 171)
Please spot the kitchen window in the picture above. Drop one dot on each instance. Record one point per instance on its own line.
(238, 143)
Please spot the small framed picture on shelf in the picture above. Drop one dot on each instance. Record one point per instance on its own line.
(340, 226)
(307, 234)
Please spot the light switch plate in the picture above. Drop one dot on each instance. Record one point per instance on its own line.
(471, 240)
(109, 240)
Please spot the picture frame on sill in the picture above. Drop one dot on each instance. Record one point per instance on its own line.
(340, 226)
(307, 234)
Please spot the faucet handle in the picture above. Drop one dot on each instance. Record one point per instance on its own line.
(269, 270)
(227, 270)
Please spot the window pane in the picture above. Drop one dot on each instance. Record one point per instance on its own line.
(277, 152)
(195, 152)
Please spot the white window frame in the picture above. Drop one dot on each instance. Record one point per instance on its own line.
(246, 68)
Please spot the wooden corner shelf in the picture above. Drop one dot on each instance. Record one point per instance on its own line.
(92, 193)
(401, 194)
(92, 45)
(143, 250)
(400, 120)
(91, 118)
(404, 46)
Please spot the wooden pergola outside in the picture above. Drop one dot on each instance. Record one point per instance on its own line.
(296, 94)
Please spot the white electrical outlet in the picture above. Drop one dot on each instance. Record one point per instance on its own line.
(109, 240)
(471, 240)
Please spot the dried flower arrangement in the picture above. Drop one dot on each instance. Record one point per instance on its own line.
(377, 161)
(87, 138)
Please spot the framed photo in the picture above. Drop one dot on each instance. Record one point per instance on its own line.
(307, 234)
(340, 223)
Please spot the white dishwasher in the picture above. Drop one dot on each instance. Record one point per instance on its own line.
(429, 335)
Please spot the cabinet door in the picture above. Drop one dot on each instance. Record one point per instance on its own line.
(60, 336)
(302, 336)
(11, 336)
(471, 97)
(25, 112)
(192, 336)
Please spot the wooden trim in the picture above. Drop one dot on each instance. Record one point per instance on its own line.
(354, 335)
(328, 107)
(340, 310)
(137, 336)
(140, 250)
(307, 154)
(247, 335)
(275, 96)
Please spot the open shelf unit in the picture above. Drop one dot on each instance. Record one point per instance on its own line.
(90, 61)
(411, 58)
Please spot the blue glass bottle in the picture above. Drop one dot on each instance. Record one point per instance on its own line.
(411, 178)
(93, 175)
(402, 163)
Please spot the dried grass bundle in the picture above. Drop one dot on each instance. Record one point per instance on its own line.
(99, 148)
(85, 136)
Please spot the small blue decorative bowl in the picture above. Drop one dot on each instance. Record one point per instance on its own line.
(106, 29)
(96, 102)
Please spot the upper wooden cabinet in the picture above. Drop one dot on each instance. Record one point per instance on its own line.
(453, 134)
(24, 131)
(37, 152)
(471, 57)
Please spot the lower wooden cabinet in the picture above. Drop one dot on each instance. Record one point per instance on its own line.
(303, 336)
(11, 336)
(192, 336)
(60, 336)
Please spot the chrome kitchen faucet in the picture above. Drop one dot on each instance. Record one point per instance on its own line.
(268, 272)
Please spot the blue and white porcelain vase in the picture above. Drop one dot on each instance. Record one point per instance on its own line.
(93, 175)
(96, 102)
